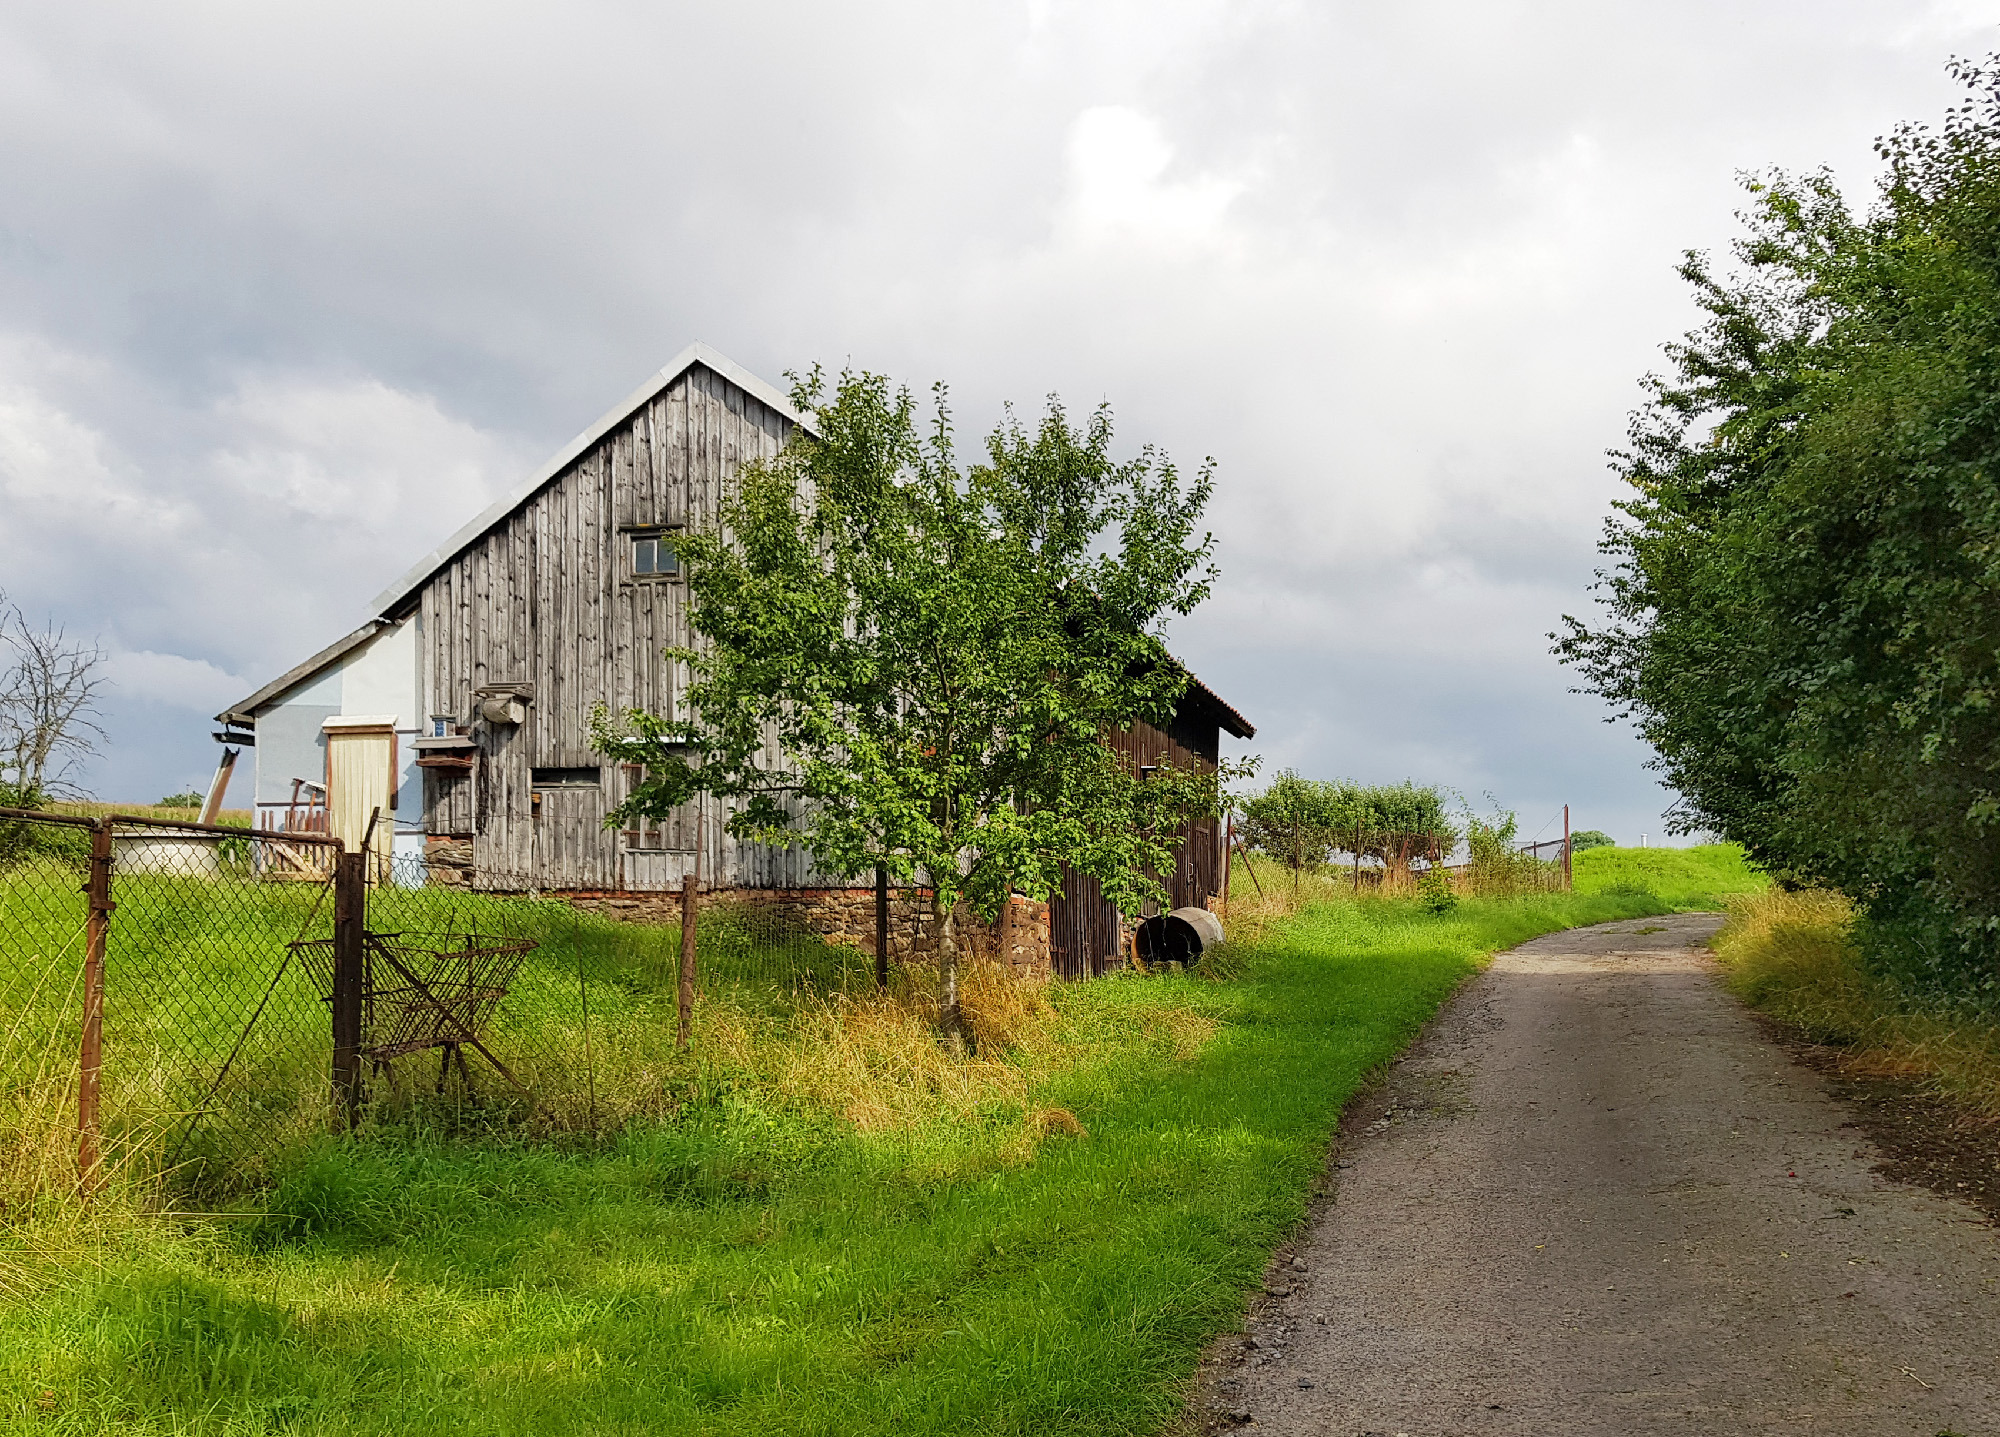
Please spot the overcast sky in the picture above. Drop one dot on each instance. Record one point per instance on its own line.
(289, 291)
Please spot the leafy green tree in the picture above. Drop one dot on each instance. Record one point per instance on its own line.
(912, 665)
(1804, 601)
(1589, 838)
(1302, 823)
(1404, 823)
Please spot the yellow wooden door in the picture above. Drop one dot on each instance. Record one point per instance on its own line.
(360, 778)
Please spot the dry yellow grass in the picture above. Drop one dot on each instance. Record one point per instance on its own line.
(230, 817)
(1792, 956)
(875, 1058)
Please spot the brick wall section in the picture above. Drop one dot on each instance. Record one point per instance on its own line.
(848, 915)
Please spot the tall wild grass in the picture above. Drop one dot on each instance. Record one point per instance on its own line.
(1795, 956)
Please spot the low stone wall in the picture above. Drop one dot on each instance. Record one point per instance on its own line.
(847, 915)
(449, 861)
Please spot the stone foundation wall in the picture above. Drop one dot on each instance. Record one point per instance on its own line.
(449, 861)
(847, 915)
(840, 915)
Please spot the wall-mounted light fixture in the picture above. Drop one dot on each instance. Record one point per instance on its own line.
(505, 703)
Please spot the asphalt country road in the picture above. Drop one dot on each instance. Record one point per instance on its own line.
(1596, 1198)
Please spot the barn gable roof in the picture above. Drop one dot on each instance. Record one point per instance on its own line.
(399, 593)
(397, 597)
(244, 711)
(1228, 718)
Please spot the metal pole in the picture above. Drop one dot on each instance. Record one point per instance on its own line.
(881, 927)
(1228, 857)
(684, 998)
(1569, 880)
(90, 1055)
(350, 919)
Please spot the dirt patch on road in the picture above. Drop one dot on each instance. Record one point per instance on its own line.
(1925, 1137)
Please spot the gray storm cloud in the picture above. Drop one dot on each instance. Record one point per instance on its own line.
(286, 294)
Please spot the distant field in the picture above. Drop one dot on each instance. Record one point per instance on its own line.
(233, 817)
(1684, 877)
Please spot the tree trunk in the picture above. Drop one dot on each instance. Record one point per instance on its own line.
(950, 1021)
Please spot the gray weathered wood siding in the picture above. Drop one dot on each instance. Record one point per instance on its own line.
(546, 598)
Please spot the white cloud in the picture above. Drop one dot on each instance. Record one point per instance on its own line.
(173, 680)
(1121, 196)
(287, 293)
(246, 538)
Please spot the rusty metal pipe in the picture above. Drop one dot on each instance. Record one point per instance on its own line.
(39, 817)
(90, 1054)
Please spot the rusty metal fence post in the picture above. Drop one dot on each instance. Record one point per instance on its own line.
(90, 1055)
(684, 996)
(350, 918)
(1569, 875)
(881, 927)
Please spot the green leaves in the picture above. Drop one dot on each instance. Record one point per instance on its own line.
(1803, 609)
(1302, 822)
(912, 665)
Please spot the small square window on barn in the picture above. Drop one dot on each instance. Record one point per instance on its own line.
(653, 557)
(676, 831)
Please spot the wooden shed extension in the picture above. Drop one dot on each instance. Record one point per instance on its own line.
(1085, 928)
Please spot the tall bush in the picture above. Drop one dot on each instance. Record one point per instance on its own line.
(1804, 609)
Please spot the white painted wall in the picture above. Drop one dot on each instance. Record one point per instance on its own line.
(381, 676)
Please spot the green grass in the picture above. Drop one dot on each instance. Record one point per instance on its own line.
(1698, 877)
(759, 1264)
(190, 960)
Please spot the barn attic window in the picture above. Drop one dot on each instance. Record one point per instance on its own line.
(562, 778)
(673, 832)
(653, 556)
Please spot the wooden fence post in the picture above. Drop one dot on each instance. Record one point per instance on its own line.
(684, 998)
(90, 1055)
(350, 919)
(881, 927)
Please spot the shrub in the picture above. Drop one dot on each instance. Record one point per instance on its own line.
(1434, 890)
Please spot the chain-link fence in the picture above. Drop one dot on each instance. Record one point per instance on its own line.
(45, 927)
(172, 996)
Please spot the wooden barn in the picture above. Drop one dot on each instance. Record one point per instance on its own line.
(461, 708)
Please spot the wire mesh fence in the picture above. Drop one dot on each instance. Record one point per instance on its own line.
(170, 996)
(217, 1041)
(45, 924)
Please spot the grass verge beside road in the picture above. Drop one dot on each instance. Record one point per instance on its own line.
(1793, 956)
(1051, 1257)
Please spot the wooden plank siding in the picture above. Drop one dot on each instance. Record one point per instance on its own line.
(546, 599)
(1085, 931)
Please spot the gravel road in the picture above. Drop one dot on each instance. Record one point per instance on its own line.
(1595, 1198)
